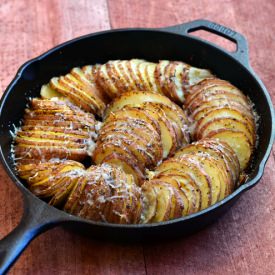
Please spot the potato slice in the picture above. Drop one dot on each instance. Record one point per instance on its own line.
(142, 73)
(218, 103)
(90, 73)
(67, 90)
(50, 131)
(224, 113)
(227, 124)
(90, 87)
(127, 164)
(175, 77)
(160, 76)
(84, 91)
(149, 203)
(126, 75)
(138, 114)
(214, 95)
(229, 156)
(196, 75)
(53, 179)
(221, 161)
(105, 193)
(194, 169)
(206, 83)
(164, 194)
(238, 142)
(133, 127)
(171, 110)
(179, 201)
(179, 122)
(133, 66)
(135, 98)
(150, 73)
(47, 92)
(182, 205)
(185, 184)
(122, 204)
(46, 152)
(135, 146)
(105, 82)
(117, 77)
(167, 133)
(220, 180)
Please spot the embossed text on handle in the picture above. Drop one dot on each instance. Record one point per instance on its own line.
(222, 29)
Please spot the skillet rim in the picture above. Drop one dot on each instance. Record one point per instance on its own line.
(249, 184)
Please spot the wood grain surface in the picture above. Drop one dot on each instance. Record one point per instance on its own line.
(242, 241)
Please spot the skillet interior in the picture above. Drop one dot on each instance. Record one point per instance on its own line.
(152, 45)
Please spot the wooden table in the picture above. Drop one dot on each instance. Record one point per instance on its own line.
(243, 241)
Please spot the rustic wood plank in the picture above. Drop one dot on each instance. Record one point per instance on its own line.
(241, 242)
(32, 27)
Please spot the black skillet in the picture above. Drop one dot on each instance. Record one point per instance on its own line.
(174, 43)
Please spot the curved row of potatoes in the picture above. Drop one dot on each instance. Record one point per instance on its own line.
(198, 176)
(92, 87)
(146, 169)
(100, 193)
(139, 131)
(54, 129)
(219, 110)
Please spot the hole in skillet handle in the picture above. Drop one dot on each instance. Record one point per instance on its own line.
(241, 49)
(215, 39)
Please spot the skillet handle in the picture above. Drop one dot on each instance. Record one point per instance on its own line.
(37, 218)
(241, 53)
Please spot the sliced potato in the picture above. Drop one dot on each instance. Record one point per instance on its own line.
(193, 168)
(160, 76)
(67, 90)
(214, 95)
(206, 83)
(167, 133)
(90, 73)
(164, 194)
(132, 127)
(228, 154)
(104, 81)
(132, 66)
(47, 92)
(105, 193)
(238, 142)
(52, 179)
(228, 124)
(138, 114)
(54, 128)
(222, 162)
(218, 103)
(182, 202)
(186, 184)
(224, 113)
(149, 203)
(142, 74)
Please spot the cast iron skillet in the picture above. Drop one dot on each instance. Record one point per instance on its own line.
(174, 43)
